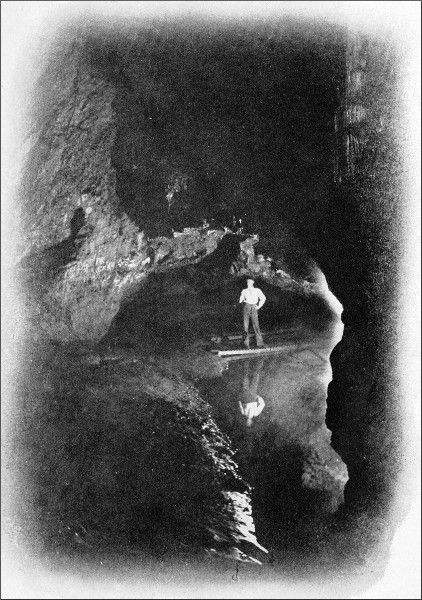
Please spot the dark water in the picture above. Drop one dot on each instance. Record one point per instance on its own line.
(273, 409)
(118, 453)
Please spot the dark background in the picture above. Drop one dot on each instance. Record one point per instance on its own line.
(246, 114)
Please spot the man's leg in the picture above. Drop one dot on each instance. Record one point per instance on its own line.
(246, 383)
(257, 368)
(246, 316)
(255, 324)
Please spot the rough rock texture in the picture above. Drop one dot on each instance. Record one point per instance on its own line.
(81, 252)
(85, 207)
(69, 164)
(78, 300)
(69, 170)
(120, 452)
(101, 130)
(364, 409)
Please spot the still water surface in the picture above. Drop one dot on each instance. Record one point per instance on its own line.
(273, 409)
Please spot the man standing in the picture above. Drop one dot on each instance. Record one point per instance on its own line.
(253, 299)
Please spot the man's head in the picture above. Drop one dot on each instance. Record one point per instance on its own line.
(250, 282)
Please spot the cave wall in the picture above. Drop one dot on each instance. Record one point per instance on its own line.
(216, 121)
(80, 251)
(142, 130)
(68, 172)
(72, 132)
(113, 109)
(146, 130)
(364, 405)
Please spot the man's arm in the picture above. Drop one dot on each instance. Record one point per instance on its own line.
(260, 405)
(260, 401)
(242, 297)
(261, 299)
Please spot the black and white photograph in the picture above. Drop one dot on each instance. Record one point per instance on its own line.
(210, 299)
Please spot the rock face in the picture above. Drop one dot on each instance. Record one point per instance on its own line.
(74, 289)
(102, 235)
(122, 452)
(69, 172)
(108, 148)
(364, 394)
(85, 261)
(82, 253)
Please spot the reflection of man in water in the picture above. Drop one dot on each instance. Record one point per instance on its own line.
(251, 404)
(253, 299)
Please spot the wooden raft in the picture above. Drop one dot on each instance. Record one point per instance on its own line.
(252, 351)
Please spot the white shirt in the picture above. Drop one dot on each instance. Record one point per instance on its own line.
(252, 296)
(252, 409)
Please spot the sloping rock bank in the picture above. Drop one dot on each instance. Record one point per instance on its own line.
(121, 455)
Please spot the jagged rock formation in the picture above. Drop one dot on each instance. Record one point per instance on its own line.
(77, 279)
(97, 226)
(105, 146)
(74, 289)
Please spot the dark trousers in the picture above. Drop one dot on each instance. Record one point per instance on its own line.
(250, 312)
(251, 375)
